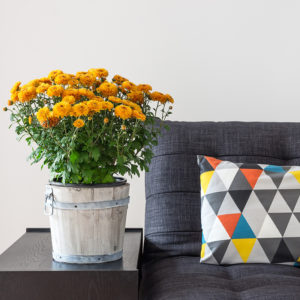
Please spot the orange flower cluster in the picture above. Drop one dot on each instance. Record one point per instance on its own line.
(85, 95)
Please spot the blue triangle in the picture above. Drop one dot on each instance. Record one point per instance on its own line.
(296, 264)
(203, 239)
(275, 169)
(243, 230)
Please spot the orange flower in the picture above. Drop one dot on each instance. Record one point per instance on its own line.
(157, 96)
(106, 120)
(27, 93)
(144, 87)
(169, 98)
(123, 111)
(78, 123)
(138, 115)
(62, 79)
(55, 91)
(128, 85)
(136, 96)
(54, 73)
(87, 79)
(15, 87)
(119, 79)
(107, 89)
(100, 73)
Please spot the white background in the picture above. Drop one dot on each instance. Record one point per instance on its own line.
(220, 59)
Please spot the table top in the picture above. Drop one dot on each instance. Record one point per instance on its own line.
(33, 252)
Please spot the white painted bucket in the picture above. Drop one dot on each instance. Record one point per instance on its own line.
(87, 222)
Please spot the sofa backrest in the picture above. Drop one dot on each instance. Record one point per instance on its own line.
(173, 225)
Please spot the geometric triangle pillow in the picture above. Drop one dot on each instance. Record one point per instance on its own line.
(250, 213)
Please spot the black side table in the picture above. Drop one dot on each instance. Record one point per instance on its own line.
(27, 271)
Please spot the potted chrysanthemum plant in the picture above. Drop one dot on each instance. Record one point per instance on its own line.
(88, 131)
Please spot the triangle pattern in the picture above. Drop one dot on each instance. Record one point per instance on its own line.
(279, 205)
(288, 182)
(265, 197)
(207, 218)
(216, 200)
(297, 207)
(265, 182)
(227, 175)
(213, 161)
(258, 254)
(243, 230)
(274, 169)
(240, 198)
(294, 246)
(216, 184)
(290, 196)
(281, 220)
(205, 165)
(244, 247)
(218, 249)
(254, 213)
(297, 215)
(228, 206)
(293, 228)
(270, 246)
(276, 177)
(250, 213)
(209, 258)
(231, 255)
(229, 222)
(282, 254)
(251, 175)
(240, 182)
(218, 232)
(296, 175)
(269, 229)
(205, 179)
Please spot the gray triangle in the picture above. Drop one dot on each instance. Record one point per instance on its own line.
(293, 243)
(215, 200)
(290, 196)
(286, 168)
(297, 215)
(240, 182)
(281, 220)
(270, 246)
(218, 249)
(276, 177)
(265, 197)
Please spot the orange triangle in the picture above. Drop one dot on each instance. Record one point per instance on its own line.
(251, 175)
(213, 161)
(229, 222)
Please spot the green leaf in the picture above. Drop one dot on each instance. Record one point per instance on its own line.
(95, 153)
(74, 157)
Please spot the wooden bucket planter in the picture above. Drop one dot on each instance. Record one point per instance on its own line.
(87, 221)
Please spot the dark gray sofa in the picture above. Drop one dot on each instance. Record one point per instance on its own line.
(171, 268)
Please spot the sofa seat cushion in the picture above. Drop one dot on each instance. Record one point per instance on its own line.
(182, 277)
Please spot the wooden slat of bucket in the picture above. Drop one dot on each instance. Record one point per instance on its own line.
(88, 232)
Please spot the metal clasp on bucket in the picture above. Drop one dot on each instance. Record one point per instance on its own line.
(49, 198)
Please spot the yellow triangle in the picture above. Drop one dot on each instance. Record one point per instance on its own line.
(298, 260)
(296, 175)
(244, 247)
(203, 250)
(205, 179)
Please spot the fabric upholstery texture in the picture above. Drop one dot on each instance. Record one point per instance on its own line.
(173, 224)
(184, 278)
(250, 212)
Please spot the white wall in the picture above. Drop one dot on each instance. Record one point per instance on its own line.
(220, 59)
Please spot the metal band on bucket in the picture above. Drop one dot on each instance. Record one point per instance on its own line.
(87, 259)
(50, 203)
(90, 205)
